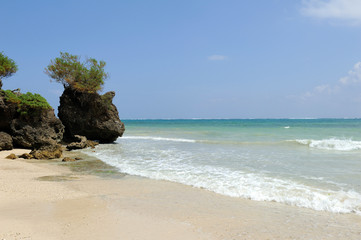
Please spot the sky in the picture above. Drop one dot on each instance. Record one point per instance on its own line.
(197, 58)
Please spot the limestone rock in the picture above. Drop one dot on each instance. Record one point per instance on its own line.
(32, 130)
(36, 130)
(48, 152)
(11, 156)
(26, 156)
(7, 114)
(68, 159)
(92, 144)
(90, 115)
(6, 142)
(80, 143)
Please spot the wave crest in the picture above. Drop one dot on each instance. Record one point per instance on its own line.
(159, 139)
(324, 144)
(254, 186)
(331, 144)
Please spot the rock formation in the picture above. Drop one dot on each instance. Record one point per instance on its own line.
(68, 159)
(91, 115)
(11, 156)
(6, 142)
(26, 156)
(7, 114)
(35, 129)
(80, 143)
(47, 152)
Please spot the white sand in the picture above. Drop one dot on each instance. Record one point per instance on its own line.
(90, 207)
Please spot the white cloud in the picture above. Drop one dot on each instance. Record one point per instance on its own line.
(321, 89)
(345, 10)
(217, 58)
(353, 76)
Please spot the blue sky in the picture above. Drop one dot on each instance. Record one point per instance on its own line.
(197, 58)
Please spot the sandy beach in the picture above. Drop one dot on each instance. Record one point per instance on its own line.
(44, 200)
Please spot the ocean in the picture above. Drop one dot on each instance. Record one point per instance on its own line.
(311, 163)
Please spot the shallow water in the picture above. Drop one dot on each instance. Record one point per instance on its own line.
(91, 165)
(313, 163)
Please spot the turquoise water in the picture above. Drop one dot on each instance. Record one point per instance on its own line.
(312, 163)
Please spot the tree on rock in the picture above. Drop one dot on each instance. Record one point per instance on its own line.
(7, 67)
(82, 110)
(85, 76)
(27, 120)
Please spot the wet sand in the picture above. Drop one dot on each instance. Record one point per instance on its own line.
(46, 200)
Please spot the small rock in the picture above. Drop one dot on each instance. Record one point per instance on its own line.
(48, 152)
(68, 159)
(26, 156)
(92, 144)
(79, 143)
(11, 156)
(78, 158)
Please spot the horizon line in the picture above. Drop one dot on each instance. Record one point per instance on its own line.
(306, 118)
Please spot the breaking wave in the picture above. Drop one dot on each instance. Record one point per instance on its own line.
(324, 144)
(159, 139)
(173, 165)
(331, 144)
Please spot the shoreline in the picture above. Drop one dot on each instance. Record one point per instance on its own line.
(33, 205)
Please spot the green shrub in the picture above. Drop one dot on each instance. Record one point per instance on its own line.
(26, 103)
(30, 102)
(88, 76)
(10, 96)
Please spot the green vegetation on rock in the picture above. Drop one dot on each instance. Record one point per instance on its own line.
(30, 102)
(10, 96)
(85, 76)
(27, 102)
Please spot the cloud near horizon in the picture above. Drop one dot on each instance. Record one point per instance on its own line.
(348, 11)
(217, 58)
(353, 77)
(321, 89)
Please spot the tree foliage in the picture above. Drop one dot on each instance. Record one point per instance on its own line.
(85, 76)
(7, 67)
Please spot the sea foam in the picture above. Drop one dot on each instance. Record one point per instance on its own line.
(331, 144)
(159, 139)
(177, 167)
